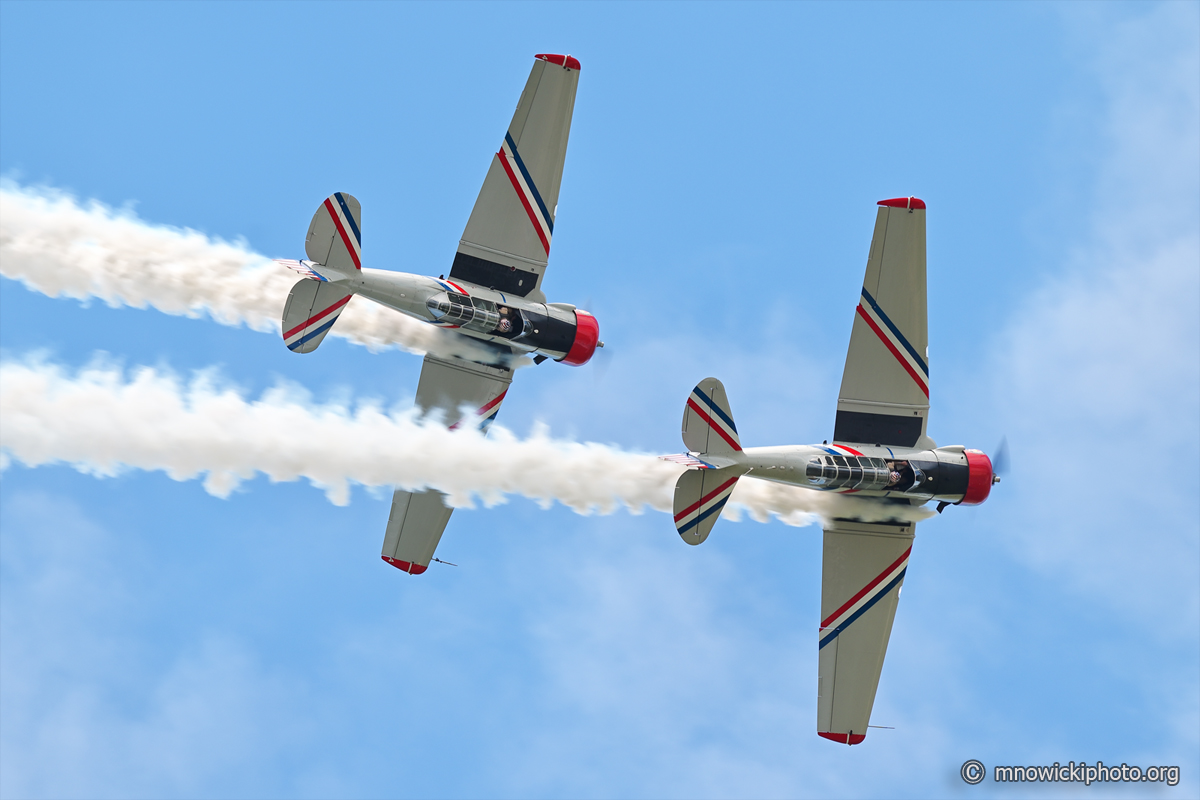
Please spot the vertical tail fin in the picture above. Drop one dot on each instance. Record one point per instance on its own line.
(335, 234)
(707, 421)
(708, 431)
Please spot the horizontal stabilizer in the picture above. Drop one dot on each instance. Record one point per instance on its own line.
(311, 309)
(692, 461)
(708, 427)
(699, 497)
(312, 270)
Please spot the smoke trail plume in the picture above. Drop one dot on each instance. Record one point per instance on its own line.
(102, 421)
(58, 247)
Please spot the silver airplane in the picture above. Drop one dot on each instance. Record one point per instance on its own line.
(880, 452)
(493, 294)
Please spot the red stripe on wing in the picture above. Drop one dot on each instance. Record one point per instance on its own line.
(865, 589)
(888, 342)
(537, 225)
(495, 401)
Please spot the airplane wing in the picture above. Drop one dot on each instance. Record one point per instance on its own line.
(506, 244)
(862, 570)
(884, 397)
(453, 386)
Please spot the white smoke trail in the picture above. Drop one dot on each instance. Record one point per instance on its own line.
(101, 422)
(59, 247)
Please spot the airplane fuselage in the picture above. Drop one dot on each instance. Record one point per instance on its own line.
(945, 474)
(556, 330)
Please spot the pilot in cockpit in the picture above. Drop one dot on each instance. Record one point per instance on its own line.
(893, 474)
(506, 320)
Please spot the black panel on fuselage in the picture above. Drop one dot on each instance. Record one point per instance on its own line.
(549, 333)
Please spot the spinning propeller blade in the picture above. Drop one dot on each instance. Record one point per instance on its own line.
(1000, 461)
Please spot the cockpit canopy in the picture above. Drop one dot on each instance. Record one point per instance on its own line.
(857, 472)
(477, 314)
(862, 473)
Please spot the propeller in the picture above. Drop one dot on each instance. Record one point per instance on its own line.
(1000, 461)
(603, 355)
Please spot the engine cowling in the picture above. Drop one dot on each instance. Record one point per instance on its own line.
(980, 477)
(587, 335)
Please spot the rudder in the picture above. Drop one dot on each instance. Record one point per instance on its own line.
(708, 423)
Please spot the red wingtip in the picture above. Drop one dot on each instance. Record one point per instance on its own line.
(562, 61)
(843, 738)
(903, 202)
(406, 566)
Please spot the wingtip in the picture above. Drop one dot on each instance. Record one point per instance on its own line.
(405, 566)
(903, 202)
(842, 738)
(562, 61)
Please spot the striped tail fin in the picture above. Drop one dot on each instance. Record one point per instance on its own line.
(713, 444)
(311, 309)
(700, 494)
(708, 423)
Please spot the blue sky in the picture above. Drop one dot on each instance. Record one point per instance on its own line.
(716, 210)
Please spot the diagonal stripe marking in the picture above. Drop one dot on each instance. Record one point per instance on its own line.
(716, 509)
(491, 406)
(862, 312)
(866, 607)
(342, 230)
(865, 589)
(316, 317)
(537, 226)
(349, 218)
(712, 424)
(706, 498)
(899, 336)
(308, 337)
(708, 401)
(529, 180)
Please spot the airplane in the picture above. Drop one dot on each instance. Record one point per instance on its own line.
(881, 452)
(493, 295)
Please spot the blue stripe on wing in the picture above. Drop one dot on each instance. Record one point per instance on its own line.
(912, 351)
(878, 595)
(529, 181)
